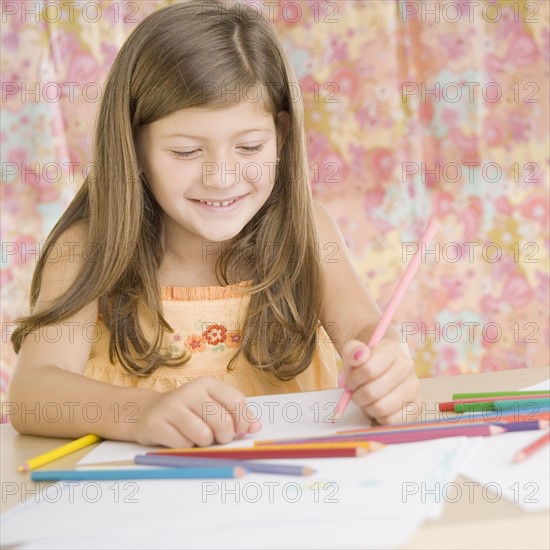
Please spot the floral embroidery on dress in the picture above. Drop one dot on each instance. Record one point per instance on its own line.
(194, 343)
(232, 338)
(215, 336)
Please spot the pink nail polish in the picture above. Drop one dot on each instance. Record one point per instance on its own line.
(358, 354)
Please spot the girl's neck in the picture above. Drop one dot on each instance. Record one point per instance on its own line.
(197, 267)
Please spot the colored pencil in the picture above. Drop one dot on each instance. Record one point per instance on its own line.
(474, 407)
(538, 444)
(526, 405)
(524, 426)
(498, 394)
(399, 437)
(161, 473)
(508, 416)
(185, 461)
(393, 304)
(510, 426)
(261, 453)
(366, 444)
(449, 405)
(60, 452)
(474, 419)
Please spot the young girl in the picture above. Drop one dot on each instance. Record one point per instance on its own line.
(192, 268)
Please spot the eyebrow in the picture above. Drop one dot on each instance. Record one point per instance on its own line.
(242, 132)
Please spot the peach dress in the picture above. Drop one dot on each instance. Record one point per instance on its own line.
(207, 321)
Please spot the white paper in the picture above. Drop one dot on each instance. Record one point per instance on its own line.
(374, 501)
(526, 483)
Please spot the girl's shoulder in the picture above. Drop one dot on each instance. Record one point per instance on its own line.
(328, 232)
(71, 244)
(63, 262)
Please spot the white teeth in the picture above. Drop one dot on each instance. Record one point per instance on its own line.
(225, 203)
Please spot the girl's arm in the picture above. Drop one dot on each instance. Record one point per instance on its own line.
(48, 394)
(382, 380)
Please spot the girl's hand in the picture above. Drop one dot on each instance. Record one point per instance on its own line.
(383, 381)
(201, 412)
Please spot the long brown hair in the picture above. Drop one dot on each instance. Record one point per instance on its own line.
(179, 57)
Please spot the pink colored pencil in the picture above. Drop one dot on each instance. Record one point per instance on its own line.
(543, 418)
(538, 444)
(384, 322)
(397, 437)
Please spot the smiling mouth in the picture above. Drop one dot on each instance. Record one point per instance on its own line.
(224, 203)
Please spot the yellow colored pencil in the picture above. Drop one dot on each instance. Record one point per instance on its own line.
(60, 452)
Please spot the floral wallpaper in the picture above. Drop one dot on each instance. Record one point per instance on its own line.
(413, 108)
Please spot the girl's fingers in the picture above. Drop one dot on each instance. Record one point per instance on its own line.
(169, 435)
(390, 409)
(235, 417)
(373, 365)
(190, 423)
(370, 392)
(354, 354)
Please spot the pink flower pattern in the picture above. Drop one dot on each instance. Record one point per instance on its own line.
(357, 146)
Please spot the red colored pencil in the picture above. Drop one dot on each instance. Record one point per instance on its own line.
(449, 405)
(532, 448)
(259, 453)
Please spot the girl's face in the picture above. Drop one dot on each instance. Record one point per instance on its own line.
(210, 170)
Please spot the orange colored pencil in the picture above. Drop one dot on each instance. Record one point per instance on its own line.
(532, 448)
(261, 453)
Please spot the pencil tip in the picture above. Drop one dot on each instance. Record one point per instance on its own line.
(519, 457)
(240, 472)
(308, 471)
(23, 468)
(495, 430)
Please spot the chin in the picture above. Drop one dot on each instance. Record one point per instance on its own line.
(217, 238)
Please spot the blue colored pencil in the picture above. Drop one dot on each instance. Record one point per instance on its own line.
(185, 461)
(161, 473)
(523, 405)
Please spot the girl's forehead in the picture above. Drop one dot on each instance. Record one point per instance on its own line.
(234, 114)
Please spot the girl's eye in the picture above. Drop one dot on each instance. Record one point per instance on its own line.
(183, 154)
(253, 149)
(189, 154)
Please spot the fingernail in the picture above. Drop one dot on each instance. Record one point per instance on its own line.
(240, 436)
(358, 354)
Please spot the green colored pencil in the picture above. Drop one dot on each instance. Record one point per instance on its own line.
(475, 407)
(496, 394)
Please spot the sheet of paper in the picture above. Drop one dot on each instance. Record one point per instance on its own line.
(544, 386)
(527, 483)
(348, 503)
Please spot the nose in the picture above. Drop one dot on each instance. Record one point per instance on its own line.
(222, 173)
